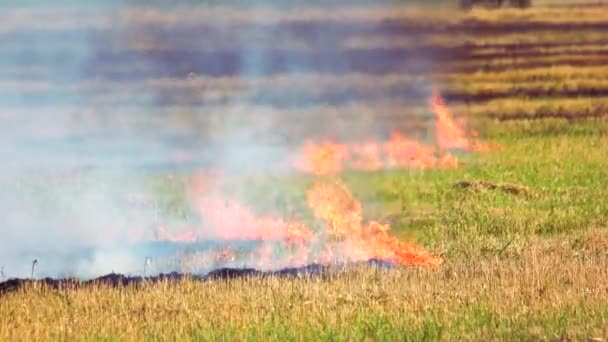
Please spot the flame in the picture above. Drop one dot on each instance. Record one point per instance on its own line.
(324, 158)
(332, 202)
(227, 219)
(342, 233)
(398, 152)
(367, 156)
(449, 134)
(405, 153)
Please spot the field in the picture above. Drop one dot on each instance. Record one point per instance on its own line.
(522, 229)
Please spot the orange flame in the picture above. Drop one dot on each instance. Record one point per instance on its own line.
(449, 134)
(343, 232)
(324, 158)
(231, 220)
(332, 202)
(398, 152)
(228, 219)
(366, 156)
(407, 153)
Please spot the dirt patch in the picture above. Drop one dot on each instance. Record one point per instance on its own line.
(512, 189)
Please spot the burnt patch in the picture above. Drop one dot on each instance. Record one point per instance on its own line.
(223, 274)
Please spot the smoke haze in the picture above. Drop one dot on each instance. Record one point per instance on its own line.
(94, 98)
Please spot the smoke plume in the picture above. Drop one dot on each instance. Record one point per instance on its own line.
(97, 99)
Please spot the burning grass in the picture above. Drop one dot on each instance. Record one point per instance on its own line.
(339, 233)
(399, 151)
(515, 267)
(343, 236)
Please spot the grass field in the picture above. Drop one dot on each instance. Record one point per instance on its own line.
(526, 259)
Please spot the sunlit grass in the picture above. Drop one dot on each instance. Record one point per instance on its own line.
(547, 288)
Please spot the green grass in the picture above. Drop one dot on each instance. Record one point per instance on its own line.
(565, 174)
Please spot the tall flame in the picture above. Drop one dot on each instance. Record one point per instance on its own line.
(228, 219)
(398, 152)
(340, 232)
(332, 202)
(449, 134)
(324, 158)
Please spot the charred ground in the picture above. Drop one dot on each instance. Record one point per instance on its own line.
(114, 280)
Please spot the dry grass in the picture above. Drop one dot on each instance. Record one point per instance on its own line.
(588, 36)
(576, 86)
(537, 108)
(551, 74)
(538, 289)
(517, 62)
(587, 16)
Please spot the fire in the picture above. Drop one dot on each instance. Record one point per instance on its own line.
(449, 134)
(404, 153)
(339, 232)
(366, 156)
(332, 202)
(227, 219)
(324, 158)
(398, 152)
(342, 233)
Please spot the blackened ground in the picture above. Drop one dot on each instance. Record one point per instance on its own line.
(120, 280)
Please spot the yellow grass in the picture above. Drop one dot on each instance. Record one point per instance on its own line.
(562, 16)
(547, 74)
(547, 288)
